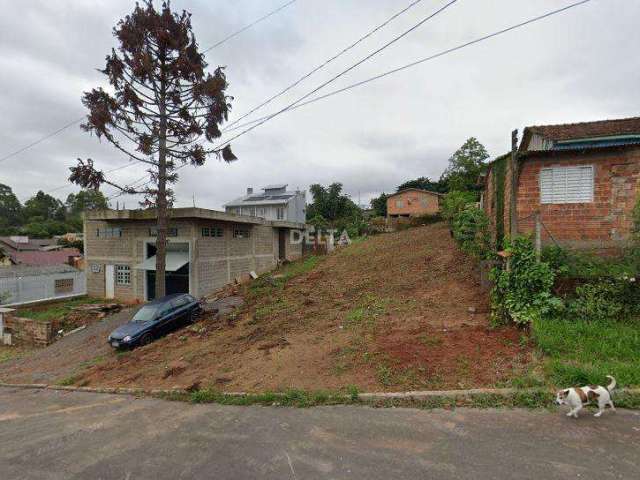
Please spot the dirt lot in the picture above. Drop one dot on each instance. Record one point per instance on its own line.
(387, 313)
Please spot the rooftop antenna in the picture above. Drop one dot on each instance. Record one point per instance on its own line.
(194, 200)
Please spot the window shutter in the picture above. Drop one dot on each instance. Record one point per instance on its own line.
(566, 184)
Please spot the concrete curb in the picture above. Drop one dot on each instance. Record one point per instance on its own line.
(370, 396)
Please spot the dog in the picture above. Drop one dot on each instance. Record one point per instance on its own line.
(578, 397)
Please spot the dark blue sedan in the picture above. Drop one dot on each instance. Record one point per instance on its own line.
(155, 319)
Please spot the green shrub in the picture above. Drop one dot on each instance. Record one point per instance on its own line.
(455, 202)
(607, 299)
(522, 292)
(471, 230)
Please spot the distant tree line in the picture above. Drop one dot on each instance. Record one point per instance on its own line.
(461, 175)
(332, 209)
(43, 216)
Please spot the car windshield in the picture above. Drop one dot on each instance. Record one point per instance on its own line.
(147, 313)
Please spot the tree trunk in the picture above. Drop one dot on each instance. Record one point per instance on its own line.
(161, 203)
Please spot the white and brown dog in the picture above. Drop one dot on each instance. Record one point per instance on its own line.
(578, 397)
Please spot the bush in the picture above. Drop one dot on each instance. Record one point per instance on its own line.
(455, 202)
(607, 299)
(522, 293)
(471, 231)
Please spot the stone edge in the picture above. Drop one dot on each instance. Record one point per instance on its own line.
(417, 395)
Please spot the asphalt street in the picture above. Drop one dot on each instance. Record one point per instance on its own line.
(65, 435)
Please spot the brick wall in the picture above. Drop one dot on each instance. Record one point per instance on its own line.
(604, 223)
(26, 331)
(414, 203)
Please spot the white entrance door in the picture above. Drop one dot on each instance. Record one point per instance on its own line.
(109, 281)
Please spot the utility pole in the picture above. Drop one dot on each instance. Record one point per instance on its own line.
(513, 214)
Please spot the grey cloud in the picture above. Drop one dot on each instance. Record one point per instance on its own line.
(577, 66)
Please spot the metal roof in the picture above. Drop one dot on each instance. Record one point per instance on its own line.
(612, 141)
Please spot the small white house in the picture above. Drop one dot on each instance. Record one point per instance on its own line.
(274, 203)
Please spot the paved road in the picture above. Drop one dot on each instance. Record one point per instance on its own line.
(64, 435)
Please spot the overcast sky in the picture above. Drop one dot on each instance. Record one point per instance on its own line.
(577, 66)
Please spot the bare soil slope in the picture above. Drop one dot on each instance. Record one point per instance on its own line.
(387, 313)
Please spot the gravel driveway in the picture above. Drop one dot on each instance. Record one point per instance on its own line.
(61, 359)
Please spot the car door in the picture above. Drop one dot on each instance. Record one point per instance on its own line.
(180, 305)
(165, 319)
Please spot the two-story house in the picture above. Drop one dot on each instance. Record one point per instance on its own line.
(274, 203)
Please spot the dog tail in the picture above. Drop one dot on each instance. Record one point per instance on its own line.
(612, 385)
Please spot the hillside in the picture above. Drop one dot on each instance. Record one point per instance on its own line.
(391, 312)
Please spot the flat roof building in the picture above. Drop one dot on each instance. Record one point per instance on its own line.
(206, 250)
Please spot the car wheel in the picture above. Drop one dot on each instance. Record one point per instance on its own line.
(146, 339)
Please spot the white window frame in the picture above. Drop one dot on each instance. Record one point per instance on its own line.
(399, 203)
(280, 213)
(123, 275)
(567, 184)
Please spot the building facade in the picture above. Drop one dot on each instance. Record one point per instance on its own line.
(274, 203)
(581, 180)
(413, 202)
(206, 250)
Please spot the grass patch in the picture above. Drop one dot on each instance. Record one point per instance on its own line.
(268, 283)
(538, 398)
(8, 352)
(68, 381)
(55, 311)
(584, 352)
(289, 398)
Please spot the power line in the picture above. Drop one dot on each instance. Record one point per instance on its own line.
(420, 61)
(415, 63)
(304, 77)
(344, 72)
(33, 144)
(327, 62)
(246, 27)
(224, 40)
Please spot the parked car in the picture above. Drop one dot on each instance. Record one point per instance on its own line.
(155, 319)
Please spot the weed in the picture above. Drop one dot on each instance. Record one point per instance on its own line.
(429, 341)
(68, 381)
(384, 374)
(288, 398)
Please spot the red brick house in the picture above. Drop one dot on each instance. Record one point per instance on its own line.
(413, 202)
(581, 179)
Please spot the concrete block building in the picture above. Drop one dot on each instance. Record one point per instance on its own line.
(206, 250)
